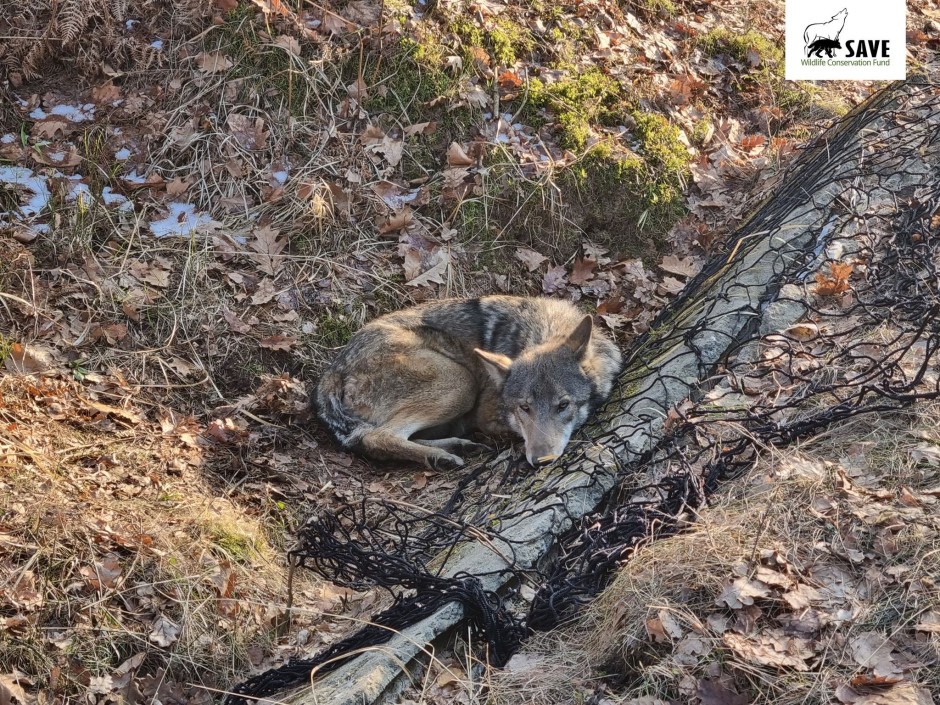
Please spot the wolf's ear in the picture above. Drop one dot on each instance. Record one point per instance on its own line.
(578, 341)
(496, 365)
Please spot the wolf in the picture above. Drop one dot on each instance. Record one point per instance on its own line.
(413, 384)
(828, 31)
(823, 45)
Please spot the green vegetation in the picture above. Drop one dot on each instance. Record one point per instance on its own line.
(267, 69)
(577, 101)
(740, 46)
(651, 8)
(6, 347)
(335, 329)
(506, 41)
(643, 189)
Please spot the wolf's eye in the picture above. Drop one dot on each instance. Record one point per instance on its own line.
(524, 407)
(562, 405)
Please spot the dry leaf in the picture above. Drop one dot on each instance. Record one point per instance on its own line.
(435, 275)
(213, 61)
(264, 293)
(269, 246)
(680, 266)
(234, 322)
(771, 649)
(27, 359)
(530, 258)
(105, 93)
(288, 44)
(891, 693)
(872, 650)
(554, 280)
(929, 622)
(164, 632)
(380, 146)
(456, 156)
(279, 342)
(10, 689)
(103, 574)
(248, 132)
(742, 592)
(177, 186)
(48, 127)
(583, 271)
(714, 692)
(421, 128)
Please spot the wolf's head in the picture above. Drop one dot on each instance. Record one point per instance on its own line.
(841, 13)
(546, 392)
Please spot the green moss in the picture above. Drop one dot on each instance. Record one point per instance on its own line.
(505, 41)
(334, 329)
(238, 547)
(652, 8)
(642, 191)
(701, 130)
(577, 102)
(740, 46)
(6, 346)
(468, 32)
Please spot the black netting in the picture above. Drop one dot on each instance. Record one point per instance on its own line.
(824, 305)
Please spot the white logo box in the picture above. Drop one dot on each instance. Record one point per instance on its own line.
(821, 35)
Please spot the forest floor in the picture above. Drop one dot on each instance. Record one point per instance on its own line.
(201, 202)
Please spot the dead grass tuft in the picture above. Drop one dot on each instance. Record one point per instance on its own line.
(118, 559)
(85, 34)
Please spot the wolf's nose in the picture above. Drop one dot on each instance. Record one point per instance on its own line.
(545, 459)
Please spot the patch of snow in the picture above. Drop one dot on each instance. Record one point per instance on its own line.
(78, 191)
(398, 201)
(183, 221)
(157, 44)
(117, 131)
(134, 178)
(280, 176)
(55, 156)
(69, 112)
(21, 176)
(110, 198)
(41, 228)
(122, 153)
(130, 24)
(8, 138)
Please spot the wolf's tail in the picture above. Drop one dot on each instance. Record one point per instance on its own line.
(346, 426)
(806, 46)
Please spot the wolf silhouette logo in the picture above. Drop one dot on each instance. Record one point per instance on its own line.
(824, 36)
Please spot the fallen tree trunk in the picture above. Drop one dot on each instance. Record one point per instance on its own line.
(887, 145)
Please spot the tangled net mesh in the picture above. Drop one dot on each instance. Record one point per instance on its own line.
(823, 306)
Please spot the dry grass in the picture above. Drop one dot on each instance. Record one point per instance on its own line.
(108, 526)
(851, 513)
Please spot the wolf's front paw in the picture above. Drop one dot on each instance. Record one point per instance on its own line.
(472, 448)
(445, 461)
